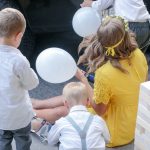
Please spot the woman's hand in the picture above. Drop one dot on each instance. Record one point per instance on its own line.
(86, 3)
(80, 75)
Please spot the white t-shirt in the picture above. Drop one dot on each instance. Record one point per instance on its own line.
(131, 10)
(16, 78)
(69, 138)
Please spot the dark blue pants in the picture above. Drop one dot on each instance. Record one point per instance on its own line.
(142, 31)
(21, 137)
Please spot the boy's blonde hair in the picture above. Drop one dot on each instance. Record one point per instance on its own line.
(75, 93)
(12, 22)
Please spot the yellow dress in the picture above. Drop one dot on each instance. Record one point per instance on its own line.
(120, 92)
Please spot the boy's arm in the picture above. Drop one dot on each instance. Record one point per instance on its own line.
(98, 4)
(25, 73)
(54, 134)
(102, 4)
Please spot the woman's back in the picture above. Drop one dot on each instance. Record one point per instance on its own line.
(120, 91)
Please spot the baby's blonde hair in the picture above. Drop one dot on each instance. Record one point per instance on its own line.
(75, 93)
(12, 21)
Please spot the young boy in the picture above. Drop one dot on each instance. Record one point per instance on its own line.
(16, 78)
(80, 129)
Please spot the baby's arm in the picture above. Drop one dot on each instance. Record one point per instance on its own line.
(54, 134)
(25, 73)
(106, 132)
(103, 129)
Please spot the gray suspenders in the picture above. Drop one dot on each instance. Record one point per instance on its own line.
(82, 133)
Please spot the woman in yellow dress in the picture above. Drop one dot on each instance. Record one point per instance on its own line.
(119, 68)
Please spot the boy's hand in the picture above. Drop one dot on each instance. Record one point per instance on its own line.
(86, 3)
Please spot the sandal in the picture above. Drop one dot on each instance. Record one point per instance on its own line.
(37, 124)
(40, 127)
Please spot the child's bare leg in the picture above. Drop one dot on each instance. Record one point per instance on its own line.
(48, 103)
(52, 114)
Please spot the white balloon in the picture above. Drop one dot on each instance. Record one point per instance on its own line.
(86, 21)
(55, 65)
